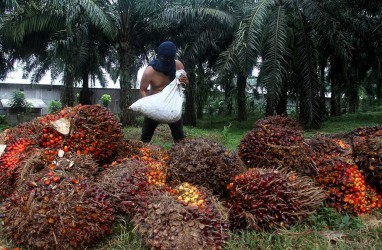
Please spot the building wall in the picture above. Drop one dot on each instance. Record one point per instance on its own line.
(47, 93)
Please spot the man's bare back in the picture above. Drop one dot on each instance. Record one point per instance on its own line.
(157, 80)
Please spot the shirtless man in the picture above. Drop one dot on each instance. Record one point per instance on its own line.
(158, 75)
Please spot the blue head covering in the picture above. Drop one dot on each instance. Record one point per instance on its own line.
(165, 63)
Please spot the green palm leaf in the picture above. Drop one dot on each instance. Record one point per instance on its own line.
(274, 53)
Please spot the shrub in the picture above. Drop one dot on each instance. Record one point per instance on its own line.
(18, 102)
(105, 100)
(54, 106)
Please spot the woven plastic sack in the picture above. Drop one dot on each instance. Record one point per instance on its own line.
(165, 106)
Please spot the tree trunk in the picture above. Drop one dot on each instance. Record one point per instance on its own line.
(85, 94)
(190, 114)
(67, 96)
(353, 96)
(199, 108)
(281, 107)
(322, 89)
(127, 116)
(335, 99)
(228, 88)
(241, 97)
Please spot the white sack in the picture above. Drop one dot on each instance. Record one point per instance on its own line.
(165, 106)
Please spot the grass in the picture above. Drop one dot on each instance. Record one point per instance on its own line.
(325, 229)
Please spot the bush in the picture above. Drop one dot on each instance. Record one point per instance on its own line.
(2, 119)
(19, 103)
(105, 100)
(54, 106)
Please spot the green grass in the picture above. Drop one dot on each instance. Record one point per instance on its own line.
(347, 123)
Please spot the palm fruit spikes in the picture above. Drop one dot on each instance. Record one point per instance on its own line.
(268, 198)
(367, 151)
(171, 221)
(155, 159)
(204, 163)
(14, 154)
(128, 183)
(325, 147)
(189, 194)
(270, 146)
(346, 188)
(52, 210)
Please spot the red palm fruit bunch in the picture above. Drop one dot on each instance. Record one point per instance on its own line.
(206, 209)
(128, 183)
(171, 221)
(279, 121)
(204, 163)
(53, 210)
(79, 165)
(367, 153)
(346, 188)
(93, 130)
(325, 147)
(155, 159)
(273, 146)
(10, 161)
(263, 199)
(32, 130)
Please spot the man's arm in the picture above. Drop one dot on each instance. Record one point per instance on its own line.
(145, 83)
(183, 79)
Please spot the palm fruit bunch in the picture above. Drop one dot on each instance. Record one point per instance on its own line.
(346, 187)
(31, 130)
(173, 221)
(327, 147)
(128, 183)
(155, 159)
(262, 199)
(11, 163)
(204, 163)
(93, 130)
(279, 121)
(53, 210)
(276, 146)
(367, 153)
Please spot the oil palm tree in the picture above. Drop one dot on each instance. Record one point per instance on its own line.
(285, 35)
(58, 32)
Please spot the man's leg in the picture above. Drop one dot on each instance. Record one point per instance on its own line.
(148, 128)
(177, 130)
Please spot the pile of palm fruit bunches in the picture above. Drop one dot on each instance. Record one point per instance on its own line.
(66, 177)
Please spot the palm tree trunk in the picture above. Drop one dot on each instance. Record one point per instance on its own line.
(241, 97)
(281, 108)
(85, 94)
(353, 96)
(322, 88)
(67, 98)
(189, 112)
(127, 116)
(335, 99)
(228, 88)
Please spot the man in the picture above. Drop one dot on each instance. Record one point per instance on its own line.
(158, 75)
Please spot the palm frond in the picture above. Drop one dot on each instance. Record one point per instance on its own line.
(274, 54)
(308, 83)
(324, 18)
(249, 34)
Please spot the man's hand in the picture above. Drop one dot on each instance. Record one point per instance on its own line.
(183, 80)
